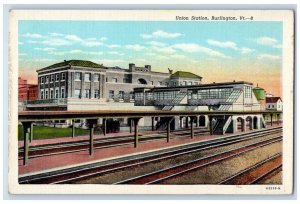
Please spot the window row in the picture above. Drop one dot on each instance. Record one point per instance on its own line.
(87, 76)
(54, 93)
(111, 94)
(211, 94)
(52, 77)
(87, 93)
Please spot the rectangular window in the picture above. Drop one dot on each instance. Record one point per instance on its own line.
(96, 77)
(62, 92)
(248, 92)
(87, 93)
(111, 94)
(77, 93)
(63, 76)
(114, 80)
(57, 77)
(121, 94)
(152, 82)
(42, 80)
(96, 94)
(126, 80)
(78, 76)
(47, 79)
(46, 94)
(42, 94)
(160, 83)
(52, 78)
(87, 77)
(56, 93)
(51, 93)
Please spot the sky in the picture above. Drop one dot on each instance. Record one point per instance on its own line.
(220, 51)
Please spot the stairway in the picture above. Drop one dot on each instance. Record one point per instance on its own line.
(235, 94)
(221, 125)
(176, 100)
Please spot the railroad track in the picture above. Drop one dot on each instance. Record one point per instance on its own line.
(95, 169)
(68, 147)
(256, 173)
(164, 175)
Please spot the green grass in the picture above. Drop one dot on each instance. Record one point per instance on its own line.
(42, 132)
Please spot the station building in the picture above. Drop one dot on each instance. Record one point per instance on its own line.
(85, 85)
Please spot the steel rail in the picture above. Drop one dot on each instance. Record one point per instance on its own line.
(247, 170)
(151, 177)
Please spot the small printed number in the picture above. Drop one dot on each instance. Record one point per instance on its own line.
(272, 188)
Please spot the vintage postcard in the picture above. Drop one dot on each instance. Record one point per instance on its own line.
(151, 101)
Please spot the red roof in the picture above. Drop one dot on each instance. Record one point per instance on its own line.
(272, 99)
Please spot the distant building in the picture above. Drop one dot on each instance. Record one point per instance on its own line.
(181, 78)
(26, 91)
(274, 103)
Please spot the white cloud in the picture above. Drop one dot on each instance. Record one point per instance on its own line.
(191, 47)
(22, 54)
(161, 34)
(245, 50)
(115, 53)
(33, 41)
(187, 47)
(229, 44)
(32, 35)
(135, 47)
(268, 56)
(73, 38)
(56, 34)
(21, 43)
(91, 43)
(155, 43)
(177, 56)
(167, 50)
(56, 42)
(226, 44)
(103, 38)
(45, 49)
(113, 46)
(268, 41)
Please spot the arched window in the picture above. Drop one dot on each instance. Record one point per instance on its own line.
(142, 81)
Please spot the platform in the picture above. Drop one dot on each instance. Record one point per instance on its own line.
(41, 164)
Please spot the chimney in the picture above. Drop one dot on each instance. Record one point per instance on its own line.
(132, 67)
(148, 67)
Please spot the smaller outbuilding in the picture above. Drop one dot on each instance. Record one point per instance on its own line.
(273, 103)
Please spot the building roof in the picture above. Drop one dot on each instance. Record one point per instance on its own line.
(190, 87)
(185, 74)
(81, 63)
(272, 99)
